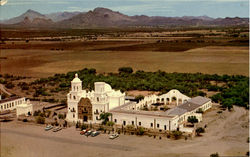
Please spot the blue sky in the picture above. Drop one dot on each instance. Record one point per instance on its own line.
(212, 8)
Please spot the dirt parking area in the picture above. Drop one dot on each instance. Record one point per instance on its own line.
(226, 134)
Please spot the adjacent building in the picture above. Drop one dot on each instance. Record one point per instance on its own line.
(11, 103)
(26, 108)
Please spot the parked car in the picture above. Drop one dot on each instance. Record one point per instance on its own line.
(95, 133)
(83, 131)
(57, 129)
(88, 133)
(113, 136)
(48, 127)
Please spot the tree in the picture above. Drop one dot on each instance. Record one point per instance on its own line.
(176, 134)
(228, 103)
(105, 117)
(127, 70)
(40, 120)
(214, 155)
(192, 119)
(199, 131)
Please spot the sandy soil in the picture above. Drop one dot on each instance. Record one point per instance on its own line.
(226, 134)
(43, 63)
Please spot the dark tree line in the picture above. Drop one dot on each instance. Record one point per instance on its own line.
(233, 90)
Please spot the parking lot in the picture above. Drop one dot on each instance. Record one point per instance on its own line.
(29, 140)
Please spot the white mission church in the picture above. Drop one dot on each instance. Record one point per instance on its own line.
(86, 106)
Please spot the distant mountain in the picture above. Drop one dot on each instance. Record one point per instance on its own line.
(206, 18)
(36, 22)
(102, 17)
(59, 16)
(30, 14)
(99, 17)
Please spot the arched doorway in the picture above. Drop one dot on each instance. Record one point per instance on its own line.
(85, 118)
(174, 101)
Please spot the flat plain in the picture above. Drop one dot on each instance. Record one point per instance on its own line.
(167, 51)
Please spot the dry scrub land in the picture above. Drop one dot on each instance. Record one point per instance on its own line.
(189, 51)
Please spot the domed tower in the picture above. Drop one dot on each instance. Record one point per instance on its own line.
(76, 84)
(73, 97)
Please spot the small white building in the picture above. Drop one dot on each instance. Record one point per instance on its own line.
(26, 108)
(11, 103)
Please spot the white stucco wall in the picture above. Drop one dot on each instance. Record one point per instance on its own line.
(11, 105)
(24, 109)
(145, 121)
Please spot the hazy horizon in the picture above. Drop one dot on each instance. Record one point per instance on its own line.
(168, 8)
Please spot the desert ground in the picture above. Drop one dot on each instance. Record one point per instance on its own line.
(46, 53)
(211, 60)
(226, 133)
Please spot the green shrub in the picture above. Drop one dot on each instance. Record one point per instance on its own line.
(83, 126)
(40, 120)
(140, 131)
(61, 116)
(214, 155)
(199, 110)
(176, 134)
(192, 119)
(199, 131)
(9, 85)
(110, 123)
(128, 70)
(36, 113)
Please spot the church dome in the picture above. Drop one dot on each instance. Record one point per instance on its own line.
(76, 79)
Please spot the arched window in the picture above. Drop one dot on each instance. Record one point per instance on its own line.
(74, 97)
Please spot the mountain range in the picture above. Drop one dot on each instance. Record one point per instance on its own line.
(103, 18)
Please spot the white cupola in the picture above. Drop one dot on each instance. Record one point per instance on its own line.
(76, 84)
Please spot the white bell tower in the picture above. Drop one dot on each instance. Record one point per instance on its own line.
(73, 98)
(76, 84)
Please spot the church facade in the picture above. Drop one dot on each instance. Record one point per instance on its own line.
(86, 106)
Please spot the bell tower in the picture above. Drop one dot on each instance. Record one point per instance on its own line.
(76, 84)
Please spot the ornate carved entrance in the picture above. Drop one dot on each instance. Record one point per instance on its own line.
(85, 109)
